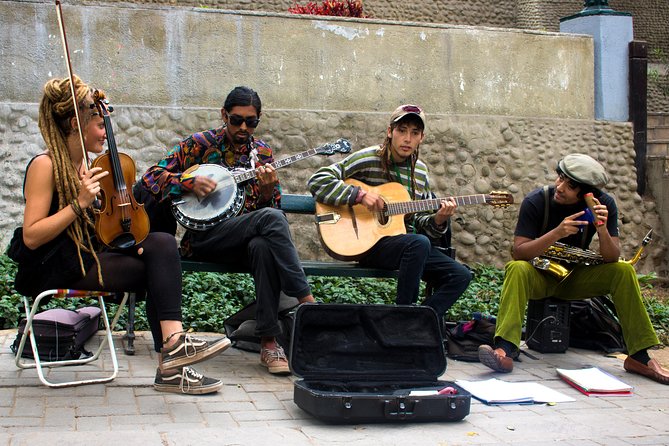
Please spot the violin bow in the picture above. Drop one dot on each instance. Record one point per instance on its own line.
(73, 90)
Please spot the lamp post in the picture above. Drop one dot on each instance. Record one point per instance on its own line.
(597, 4)
(611, 32)
(596, 7)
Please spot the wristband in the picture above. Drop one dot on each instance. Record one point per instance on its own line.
(76, 208)
(361, 195)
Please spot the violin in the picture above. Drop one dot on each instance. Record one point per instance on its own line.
(120, 222)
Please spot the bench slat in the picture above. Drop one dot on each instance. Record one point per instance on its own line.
(311, 268)
(298, 204)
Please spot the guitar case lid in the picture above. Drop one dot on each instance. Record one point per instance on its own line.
(381, 343)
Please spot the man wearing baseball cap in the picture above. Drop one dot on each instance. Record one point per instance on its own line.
(413, 254)
(559, 213)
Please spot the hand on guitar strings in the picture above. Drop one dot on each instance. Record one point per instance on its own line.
(266, 179)
(372, 201)
(446, 211)
(202, 186)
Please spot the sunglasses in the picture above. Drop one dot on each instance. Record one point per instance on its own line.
(237, 120)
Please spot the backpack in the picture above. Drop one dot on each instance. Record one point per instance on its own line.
(594, 325)
(240, 327)
(463, 340)
(60, 334)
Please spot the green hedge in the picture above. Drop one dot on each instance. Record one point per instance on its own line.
(209, 298)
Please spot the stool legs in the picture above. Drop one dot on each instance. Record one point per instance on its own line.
(107, 341)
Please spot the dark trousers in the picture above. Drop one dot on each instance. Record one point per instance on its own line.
(157, 271)
(415, 258)
(261, 240)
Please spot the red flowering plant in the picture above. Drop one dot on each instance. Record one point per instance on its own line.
(340, 8)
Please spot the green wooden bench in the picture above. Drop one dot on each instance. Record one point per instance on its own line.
(298, 204)
(291, 204)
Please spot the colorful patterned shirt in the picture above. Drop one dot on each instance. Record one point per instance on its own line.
(209, 147)
(327, 185)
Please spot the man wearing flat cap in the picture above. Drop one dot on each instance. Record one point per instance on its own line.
(559, 214)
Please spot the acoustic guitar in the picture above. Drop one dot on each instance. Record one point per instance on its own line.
(349, 232)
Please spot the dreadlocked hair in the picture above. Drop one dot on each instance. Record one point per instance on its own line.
(56, 111)
(385, 154)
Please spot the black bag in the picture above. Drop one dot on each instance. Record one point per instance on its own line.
(60, 333)
(594, 325)
(16, 249)
(160, 214)
(372, 363)
(240, 327)
(464, 339)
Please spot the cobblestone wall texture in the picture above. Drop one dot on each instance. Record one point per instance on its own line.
(467, 155)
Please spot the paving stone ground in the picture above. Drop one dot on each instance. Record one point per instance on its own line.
(256, 408)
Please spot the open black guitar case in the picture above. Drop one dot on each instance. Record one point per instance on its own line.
(361, 364)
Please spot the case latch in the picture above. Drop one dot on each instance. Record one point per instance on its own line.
(399, 408)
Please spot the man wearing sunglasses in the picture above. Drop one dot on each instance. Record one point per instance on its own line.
(413, 253)
(258, 236)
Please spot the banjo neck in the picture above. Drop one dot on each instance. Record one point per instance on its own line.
(250, 174)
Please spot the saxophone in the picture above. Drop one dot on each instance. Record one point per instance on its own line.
(559, 259)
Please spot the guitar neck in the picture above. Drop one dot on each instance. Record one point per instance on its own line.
(251, 174)
(410, 207)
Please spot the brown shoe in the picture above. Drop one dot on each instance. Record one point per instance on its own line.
(653, 370)
(495, 359)
(275, 360)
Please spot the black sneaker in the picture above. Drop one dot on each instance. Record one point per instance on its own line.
(185, 380)
(190, 350)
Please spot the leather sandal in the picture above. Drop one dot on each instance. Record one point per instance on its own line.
(653, 370)
(493, 359)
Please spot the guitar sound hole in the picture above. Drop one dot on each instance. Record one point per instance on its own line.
(382, 216)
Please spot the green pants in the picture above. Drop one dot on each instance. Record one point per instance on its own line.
(523, 282)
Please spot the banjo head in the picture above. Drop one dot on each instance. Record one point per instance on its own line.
(201, 213)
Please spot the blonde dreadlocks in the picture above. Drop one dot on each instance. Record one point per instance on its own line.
(55, 114)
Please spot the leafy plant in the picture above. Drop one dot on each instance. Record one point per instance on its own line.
(661, 80)
(340, 8)
(210, 298)
(482, 295)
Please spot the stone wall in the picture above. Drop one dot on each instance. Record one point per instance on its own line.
(467, 154)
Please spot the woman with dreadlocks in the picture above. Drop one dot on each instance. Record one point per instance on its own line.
(413, 253)
(62, 250)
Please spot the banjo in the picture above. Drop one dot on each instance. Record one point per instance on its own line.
(227, 200)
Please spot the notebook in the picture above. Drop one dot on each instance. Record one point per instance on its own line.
(494, 391)
(593, 381)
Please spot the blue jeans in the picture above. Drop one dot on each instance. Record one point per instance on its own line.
(415, 258)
